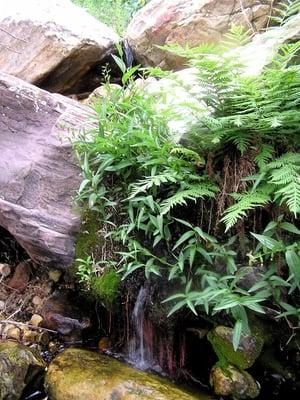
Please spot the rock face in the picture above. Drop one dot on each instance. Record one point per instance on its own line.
(232, 382)
(80, 374)
(39, 175)
(19, 366)
(188, 23)
(249, 348)
(51, 44)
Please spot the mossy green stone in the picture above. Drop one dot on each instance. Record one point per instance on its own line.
(249, 348)
(230, 381)
(80, 374)
(19, 366)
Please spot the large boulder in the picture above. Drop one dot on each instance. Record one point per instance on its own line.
(51, 44)
(39, 174)
(188, 23)
(80, 374)
(19, 367)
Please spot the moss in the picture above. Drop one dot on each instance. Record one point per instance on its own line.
(79, 374)
(248, 351)
(106, 288)
(88, 240)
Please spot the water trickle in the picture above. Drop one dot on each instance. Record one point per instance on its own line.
(140, 349)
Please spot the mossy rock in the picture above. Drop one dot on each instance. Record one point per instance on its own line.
(19, 366)
(78, 374)
(249, 348)
(230, 381)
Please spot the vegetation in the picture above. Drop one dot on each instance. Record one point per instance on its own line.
(212, 212)
(114, 13)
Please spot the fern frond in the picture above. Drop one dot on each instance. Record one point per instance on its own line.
(290, 194)
(246, 201)
(192, 193)
(285, 10)
(156, 180)
(189, 154)
(236, 36)
(264, 156)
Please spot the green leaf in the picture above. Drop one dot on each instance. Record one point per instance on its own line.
(293, 262)
(129, 73)
(186, 236)
(290, 228)
(268, 242)
(120, 63)
(237, 333)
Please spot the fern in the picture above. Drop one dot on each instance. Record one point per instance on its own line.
(285, 10)
(193, 193)
(264, 156)
(285, 174)
(156, 180)
(189, 154)
(246, 201)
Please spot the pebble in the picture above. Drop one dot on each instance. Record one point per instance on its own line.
(54, 275)
(37, 301)
(36, 320)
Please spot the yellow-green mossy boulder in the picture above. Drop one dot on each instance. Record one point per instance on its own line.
(19, 367)
(249, 349)
(78, 374)
(230, 381)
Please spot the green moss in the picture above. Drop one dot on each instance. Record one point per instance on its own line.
(106, 287)
(88, 239)
(246, 354)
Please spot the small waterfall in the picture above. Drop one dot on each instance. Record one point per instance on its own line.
(140, 349)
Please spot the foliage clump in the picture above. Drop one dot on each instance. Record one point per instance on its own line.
(115, 13)
(202, 213)
(105, 288)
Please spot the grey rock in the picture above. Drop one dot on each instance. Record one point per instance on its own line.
(39, 174)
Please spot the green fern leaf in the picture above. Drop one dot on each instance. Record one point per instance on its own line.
(246, 201)
(193, 193)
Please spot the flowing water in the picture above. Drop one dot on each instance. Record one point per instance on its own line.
(139, 348)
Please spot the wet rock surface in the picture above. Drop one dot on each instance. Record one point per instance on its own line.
(19, 367)
(229, 381)
(51, 44)
(80, 374)
(41, 173)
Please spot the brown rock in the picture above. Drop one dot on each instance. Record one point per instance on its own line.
(188, 23)
(41, 174)
(61, 315)
(21, 277)
(230, 381)
(51, 44)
